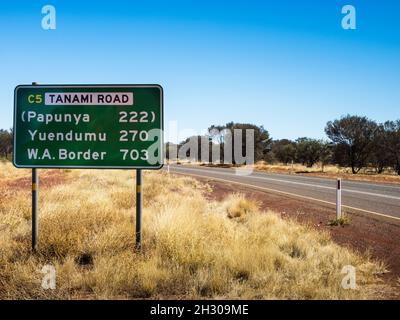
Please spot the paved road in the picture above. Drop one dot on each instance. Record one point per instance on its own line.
(370, 198)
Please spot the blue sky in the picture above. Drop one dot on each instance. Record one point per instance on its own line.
(287, 65)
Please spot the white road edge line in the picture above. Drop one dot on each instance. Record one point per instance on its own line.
(297, 183)
(358, 182)
(292, 194)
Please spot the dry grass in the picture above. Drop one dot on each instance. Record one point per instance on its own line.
(237, 206)
(297, 168)
(193, 248)
(7, 173)
(329, 171)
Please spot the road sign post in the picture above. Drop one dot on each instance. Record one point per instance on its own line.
(88, 126)
(35, 217)
(35, 194)
(338, 198)
(138, 209)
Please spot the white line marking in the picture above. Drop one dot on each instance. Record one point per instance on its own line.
(331, 188)
(297, 183)
(361, 183)
(295, 195)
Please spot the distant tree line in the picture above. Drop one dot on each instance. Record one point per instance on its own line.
(218, 144)
(303, 150)
(353, 141)
(6, 142)
(360, 142)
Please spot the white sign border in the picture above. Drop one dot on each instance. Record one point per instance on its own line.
(62, 86)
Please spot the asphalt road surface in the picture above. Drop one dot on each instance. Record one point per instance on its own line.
(370, 198)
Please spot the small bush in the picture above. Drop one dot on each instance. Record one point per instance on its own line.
(237, 206)
(342, 221)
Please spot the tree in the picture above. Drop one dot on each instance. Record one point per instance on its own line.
(380, 155)
(190, 148)
(261, 138)
(284, 150)
(353, 137)
(308, 151)
(171, 151)
(325, 155)
(392, 143)
(6, 142)
(195, 148)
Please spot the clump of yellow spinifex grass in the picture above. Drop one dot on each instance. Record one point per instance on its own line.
(192, 247)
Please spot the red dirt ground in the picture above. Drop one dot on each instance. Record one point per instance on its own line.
(378, 237)
(46, 179)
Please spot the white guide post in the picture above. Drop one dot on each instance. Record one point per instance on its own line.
(339, 198)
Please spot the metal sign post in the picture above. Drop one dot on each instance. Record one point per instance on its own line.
(138, 209)
(35, 194)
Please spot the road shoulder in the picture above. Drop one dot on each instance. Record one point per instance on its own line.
(368, 235)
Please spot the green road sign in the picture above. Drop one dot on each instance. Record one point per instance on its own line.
(88, 126)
